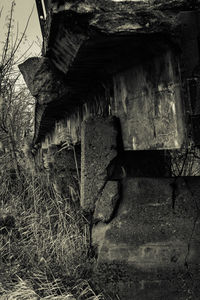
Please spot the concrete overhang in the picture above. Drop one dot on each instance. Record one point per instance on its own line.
(86, 42)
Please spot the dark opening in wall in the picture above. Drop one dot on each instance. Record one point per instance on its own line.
(155, 163)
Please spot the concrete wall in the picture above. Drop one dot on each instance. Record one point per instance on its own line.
(147, 99)
(150, 249)
(145, 230)
(145, 226)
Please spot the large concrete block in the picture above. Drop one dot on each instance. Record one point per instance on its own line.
(147, 100)
(98, 148)
(153, 241)
(189, 42)
(42, 81)
(106, 204)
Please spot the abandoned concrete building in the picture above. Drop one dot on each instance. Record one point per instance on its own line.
(117, 89)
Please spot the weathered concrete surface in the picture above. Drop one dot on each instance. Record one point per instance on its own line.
(62, 166)
(98, 148)
(148, 102)
(190, 69)
(68, 129)
(189, 42)
(66, 47)
(42, 81)
(106, 204)
(46, 86)
(79, 24)
(153, 242)
(79, 41)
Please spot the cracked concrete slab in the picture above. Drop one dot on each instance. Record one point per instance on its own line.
(99, 147)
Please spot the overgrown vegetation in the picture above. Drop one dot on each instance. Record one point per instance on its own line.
(44, 245)
(15, 100)
(44, 237)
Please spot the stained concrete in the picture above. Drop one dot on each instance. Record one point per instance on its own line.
(42, 81)
(106, 204)
(147, 100)
(152, 244)
(98, 148)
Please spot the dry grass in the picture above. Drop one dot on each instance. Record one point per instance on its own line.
(46, 254)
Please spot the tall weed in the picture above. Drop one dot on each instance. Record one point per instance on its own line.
(45, 254)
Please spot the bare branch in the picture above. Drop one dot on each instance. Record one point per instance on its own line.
(23, 55)
(1, 10)
(7, 42)
(22, 36)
